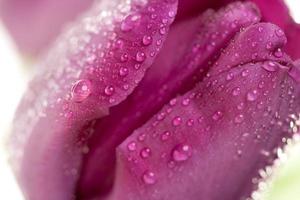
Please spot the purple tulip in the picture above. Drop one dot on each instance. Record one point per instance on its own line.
(137, 101)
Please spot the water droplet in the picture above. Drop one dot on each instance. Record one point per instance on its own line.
(190, 122)
(181, 152)
(173, 102)
(252, 95)
(278, 53)
(145, 152)
(177, 121)
(109, 90)
(149, 178)
(142, 137)
(236, 91)
(186, 102)
(140, 56)
(279, 33)
(81, 90)
(171, 13)
(130, 22)
(240, 106)
(229, 76)
(165, 136)
(123, 71)
(270, 66)
(218, 115)
(124, 57)
(239, 119)
(161, 116)
(147, 40)
(245, 73)
(269, 45)
(131, 146)
(162, 31)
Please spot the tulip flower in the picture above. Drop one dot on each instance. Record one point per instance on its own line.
(159, 99)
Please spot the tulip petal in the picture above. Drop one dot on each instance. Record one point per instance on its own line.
(276, 11)
(215, 138)
(80, 79)
(187, 61)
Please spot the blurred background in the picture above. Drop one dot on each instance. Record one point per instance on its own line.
(16, 69)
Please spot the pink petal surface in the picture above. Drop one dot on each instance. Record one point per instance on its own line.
(276, 11)
(35, 24)
(187, 61)
(212, 147)
(111, 76)
(80, 79)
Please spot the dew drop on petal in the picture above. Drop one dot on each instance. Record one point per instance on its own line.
(186, 102)
(145, 152)
(270, 66)
(177, 121)
(165, 136)
(236, 91)
(181, 152)
(245, 73)
(149, 178)
(252, 95)
(278, 53)
(190, 122)
(147, 40)
(239, 119)
(131, 146)
(109, 90)
(218, 115)
(123, 71)
(130, 22)
(279, 33)
(81, 90)
(140, 56)
(124, 57)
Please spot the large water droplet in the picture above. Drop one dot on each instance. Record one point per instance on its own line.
(149, 177)
(130, 22)
(181, 152)
(81, 90)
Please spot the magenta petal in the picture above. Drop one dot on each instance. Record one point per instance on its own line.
(276, 11)
(35, 24)
(214, 139)
(187, 60)
(81, 78)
